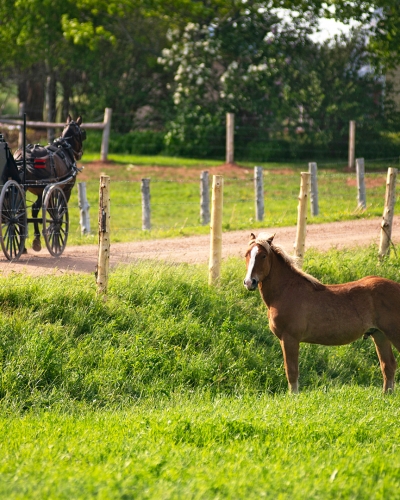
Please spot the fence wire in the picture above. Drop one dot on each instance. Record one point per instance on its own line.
(175, 203)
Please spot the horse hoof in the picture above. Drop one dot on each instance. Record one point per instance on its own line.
(36, 245)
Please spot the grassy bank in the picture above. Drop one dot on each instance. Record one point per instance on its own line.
(162, 330)
(174, 389)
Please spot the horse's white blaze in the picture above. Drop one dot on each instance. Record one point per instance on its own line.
(252, 261)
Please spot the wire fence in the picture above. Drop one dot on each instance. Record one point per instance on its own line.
(253, 141)
(175, 204)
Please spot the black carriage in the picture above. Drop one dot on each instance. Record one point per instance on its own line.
(50, 174)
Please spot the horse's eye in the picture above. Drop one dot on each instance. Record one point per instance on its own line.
(264, 256)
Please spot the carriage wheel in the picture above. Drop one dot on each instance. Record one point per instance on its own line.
(13, 227)
(55, 220)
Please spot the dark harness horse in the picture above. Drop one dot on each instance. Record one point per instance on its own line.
(55, 163)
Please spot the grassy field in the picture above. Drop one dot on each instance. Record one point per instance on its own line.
(339, 443)
(174, 389)
(175, 196)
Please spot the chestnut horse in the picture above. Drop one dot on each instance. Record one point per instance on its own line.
(302, 309)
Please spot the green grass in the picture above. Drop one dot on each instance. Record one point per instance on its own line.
(164, 161)
(174, 389)
(174, 161)
(162, 330)
(342, 443)
(175, 200)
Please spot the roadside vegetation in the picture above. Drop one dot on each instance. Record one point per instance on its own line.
(174, 389)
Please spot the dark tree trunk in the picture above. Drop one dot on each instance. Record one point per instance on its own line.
(67, 94)
(31, 91)
(51, 104)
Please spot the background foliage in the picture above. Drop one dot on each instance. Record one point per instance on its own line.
(173, 69)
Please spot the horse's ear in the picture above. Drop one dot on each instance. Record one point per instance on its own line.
(69, 119)
(79, 120)
(252, 238)
(269, 240)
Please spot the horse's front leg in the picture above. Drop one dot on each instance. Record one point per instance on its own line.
(36, 244)
(290, 349)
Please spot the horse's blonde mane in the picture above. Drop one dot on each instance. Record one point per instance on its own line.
(265, 240)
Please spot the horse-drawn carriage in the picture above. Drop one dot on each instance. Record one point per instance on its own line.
(49, 173)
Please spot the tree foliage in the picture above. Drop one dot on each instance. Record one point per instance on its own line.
(380, 17)
(179, 65)
(286, 91)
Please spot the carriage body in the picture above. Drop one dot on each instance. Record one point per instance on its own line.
(15, 181)
(3, 155)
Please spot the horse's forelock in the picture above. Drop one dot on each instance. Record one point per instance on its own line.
(265, 240)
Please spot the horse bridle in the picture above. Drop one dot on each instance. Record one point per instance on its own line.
(81, 133)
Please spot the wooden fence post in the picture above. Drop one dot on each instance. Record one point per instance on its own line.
(388, 212)
(104, 235)
(352, 143)
(84, 208)
(106, 134)
(216, 229)
(21, 113)
(204, 198)
(259, 193)
(105, 126)
(230, 126)
(312, 168)
(146, 224)
(299, 246)
(362, 197)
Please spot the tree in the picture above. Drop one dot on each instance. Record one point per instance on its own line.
(250, 62)
(290, 95)
(380, 17)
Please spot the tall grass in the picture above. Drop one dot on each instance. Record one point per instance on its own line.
(162, 330)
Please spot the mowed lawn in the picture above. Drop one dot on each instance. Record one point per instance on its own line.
(338, 443)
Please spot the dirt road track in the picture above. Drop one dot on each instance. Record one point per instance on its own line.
(195, 249)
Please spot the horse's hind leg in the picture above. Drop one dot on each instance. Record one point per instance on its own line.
(36, 244)
(290, 349)
(387, 360)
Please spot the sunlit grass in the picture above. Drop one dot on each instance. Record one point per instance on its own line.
(340, 443)
(153, 160)
(175, 389)
(175, 198)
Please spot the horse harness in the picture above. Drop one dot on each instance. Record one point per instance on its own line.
(40, 160)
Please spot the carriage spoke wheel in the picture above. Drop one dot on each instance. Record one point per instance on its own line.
(13, 227)
(55, 220)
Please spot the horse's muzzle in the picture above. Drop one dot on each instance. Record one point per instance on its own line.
(250, 284)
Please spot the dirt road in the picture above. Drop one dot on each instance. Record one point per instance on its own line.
(83, 259)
